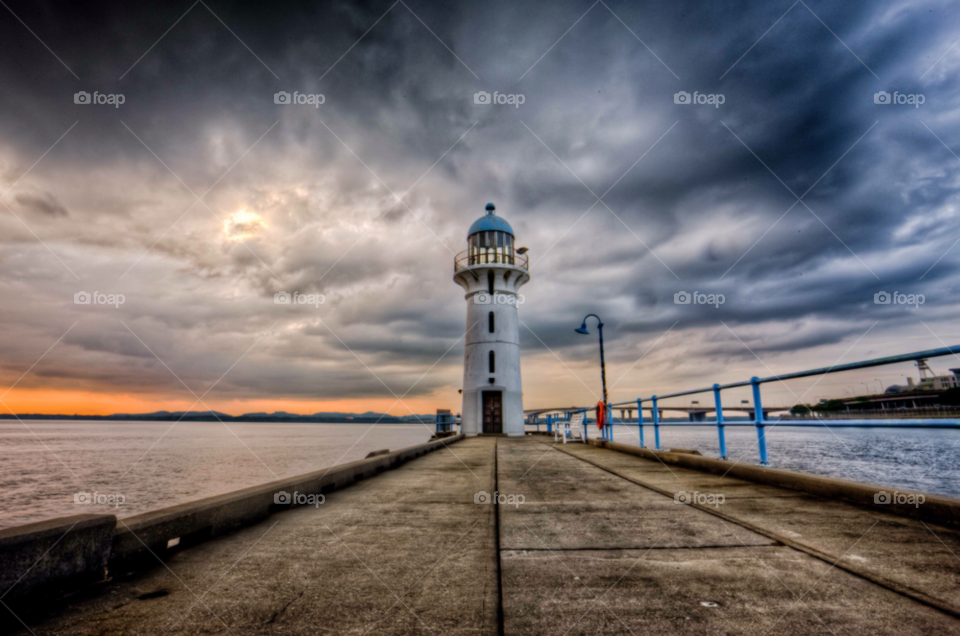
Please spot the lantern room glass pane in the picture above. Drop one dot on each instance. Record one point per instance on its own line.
(491, 246)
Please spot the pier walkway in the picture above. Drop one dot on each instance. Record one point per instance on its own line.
(598, 546)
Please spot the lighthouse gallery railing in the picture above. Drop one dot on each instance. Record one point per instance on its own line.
(489, 257)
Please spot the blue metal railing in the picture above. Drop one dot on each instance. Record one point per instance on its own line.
(760, 421)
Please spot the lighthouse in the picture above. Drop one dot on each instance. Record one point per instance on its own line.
(491, 272)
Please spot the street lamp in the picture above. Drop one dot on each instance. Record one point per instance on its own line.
(603, 365)
(881, 384)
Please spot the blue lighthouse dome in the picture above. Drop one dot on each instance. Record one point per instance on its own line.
(490, 222)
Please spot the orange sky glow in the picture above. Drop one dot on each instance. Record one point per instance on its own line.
(65, 402)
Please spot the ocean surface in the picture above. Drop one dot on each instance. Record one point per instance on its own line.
(154, 466)
(151, 465)
(927, 460)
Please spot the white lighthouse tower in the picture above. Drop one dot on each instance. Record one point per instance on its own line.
(491, 271)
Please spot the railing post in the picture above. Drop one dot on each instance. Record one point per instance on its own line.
(719, 408)
(758, 420)
(656, 422)
(640, 420)
(610, 423)
(584, 425)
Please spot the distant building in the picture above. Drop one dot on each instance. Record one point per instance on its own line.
(923, 392)
(929, 381)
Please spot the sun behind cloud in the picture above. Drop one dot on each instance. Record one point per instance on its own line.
(242, 225)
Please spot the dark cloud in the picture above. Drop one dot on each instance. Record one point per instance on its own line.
(297, 198)
(46, 204)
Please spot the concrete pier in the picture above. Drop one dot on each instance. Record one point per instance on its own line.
(598, 544)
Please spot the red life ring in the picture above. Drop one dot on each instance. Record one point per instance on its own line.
(601, 415)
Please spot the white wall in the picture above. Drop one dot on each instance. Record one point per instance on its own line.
(504, 342)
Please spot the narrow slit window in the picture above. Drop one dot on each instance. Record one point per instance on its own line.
(492, 362)
(491, 321)
(490, 282)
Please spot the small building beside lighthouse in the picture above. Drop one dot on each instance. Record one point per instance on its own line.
(491, 272)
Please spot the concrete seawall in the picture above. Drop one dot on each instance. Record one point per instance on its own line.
(69, 553)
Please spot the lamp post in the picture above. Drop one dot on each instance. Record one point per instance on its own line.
(603, 365)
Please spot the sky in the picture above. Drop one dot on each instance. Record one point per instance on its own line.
(794, 159)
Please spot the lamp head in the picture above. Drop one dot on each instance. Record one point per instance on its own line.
(583, 329)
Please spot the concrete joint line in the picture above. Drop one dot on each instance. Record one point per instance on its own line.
(496, 530)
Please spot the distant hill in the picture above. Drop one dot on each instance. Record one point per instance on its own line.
(332, 417)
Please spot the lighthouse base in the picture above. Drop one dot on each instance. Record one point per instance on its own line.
(492, 411)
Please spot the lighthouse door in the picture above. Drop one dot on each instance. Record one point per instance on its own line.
(492, 412)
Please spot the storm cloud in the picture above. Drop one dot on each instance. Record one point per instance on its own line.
(203, 194)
